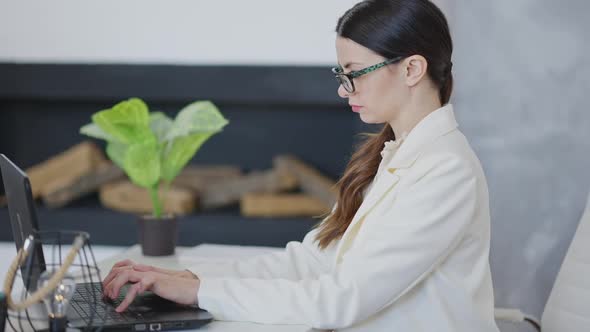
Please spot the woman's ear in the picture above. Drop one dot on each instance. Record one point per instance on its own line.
(415, 68)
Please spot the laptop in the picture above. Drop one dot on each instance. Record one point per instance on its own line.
(148, 312)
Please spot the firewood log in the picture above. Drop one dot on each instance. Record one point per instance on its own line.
(65, 189)
(230, 191)
(310, 180)
(198, 178)
(127, 197)
(282, 205)
(71, 164)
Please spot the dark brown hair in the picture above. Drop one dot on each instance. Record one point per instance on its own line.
(390, 28)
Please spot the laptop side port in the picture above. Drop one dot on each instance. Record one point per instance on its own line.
(173, 326)
(155, 327)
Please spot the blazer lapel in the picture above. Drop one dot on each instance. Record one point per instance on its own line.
(385, 184)
(436, 124)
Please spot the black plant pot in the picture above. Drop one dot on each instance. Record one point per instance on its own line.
(157, 236)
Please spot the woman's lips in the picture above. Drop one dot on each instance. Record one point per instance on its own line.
(356, 108)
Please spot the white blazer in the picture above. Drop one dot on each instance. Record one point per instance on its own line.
(414, 258)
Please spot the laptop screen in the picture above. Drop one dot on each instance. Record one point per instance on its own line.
(23, 219)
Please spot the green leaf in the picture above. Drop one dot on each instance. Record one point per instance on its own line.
(142, 163)
(127, 122)
(160, 124)
(152, 147)
(180, 152)
(198, 117)
(93, 130)
(116, 152)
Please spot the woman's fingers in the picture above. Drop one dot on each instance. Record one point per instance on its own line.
(144, 284)
(117, 267)
(144, 268)
(177, 289)
(125, 262)
(114, 272)
(122, 278)
(131, 294)
(127, 271)
(121, 267)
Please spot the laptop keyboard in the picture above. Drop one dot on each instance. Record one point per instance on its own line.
(89, 303)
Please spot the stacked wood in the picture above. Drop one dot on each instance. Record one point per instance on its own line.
(231, 191)
(83, 169)
(199, 178)
(310, 180)
(63, 190)
(66, 167)
(126, 197)
(281, 205)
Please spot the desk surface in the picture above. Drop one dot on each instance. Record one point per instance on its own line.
(108, 255)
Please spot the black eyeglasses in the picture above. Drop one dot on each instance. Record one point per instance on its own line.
(346, 79)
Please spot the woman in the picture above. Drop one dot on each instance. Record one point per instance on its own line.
(406, 247)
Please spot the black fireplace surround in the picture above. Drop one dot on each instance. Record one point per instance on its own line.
(272, 110)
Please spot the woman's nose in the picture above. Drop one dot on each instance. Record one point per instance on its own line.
(342, 92)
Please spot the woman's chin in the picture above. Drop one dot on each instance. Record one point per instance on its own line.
(369, 119)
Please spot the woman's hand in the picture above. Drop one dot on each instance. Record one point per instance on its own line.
(178, 286)
(129, 264)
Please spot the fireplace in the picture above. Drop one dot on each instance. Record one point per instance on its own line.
(272, 110)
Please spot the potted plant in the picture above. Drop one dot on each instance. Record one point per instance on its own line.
(152, 149)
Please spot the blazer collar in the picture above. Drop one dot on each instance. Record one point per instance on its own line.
(433, 126)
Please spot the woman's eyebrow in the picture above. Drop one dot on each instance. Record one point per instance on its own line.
(348, 64)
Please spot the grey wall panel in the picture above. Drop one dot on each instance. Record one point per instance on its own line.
(522, 75)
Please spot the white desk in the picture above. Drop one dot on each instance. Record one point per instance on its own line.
(106, 256)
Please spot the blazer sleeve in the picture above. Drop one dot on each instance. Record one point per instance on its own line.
(425, 222)
(297, 261)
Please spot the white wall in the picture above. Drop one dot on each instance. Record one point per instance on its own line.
(180, 31)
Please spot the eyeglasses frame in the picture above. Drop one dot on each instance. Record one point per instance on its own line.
(338, 72)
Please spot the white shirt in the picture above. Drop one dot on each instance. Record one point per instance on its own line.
(414, 258)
